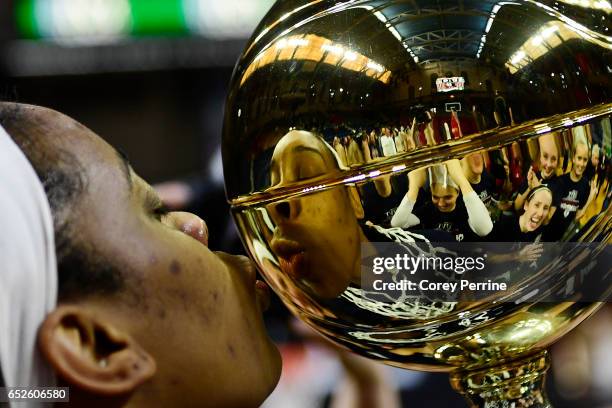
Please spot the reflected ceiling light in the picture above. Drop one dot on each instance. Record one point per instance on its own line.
(334, 49)
(293, 42)
(280, 20)
(548, 31)
(568, 122)
(382, 18)
(537, 40)
(360, 177)
(550, 36)
(542, 129)
(395, 33)
(518, 57)
(298, 42)
(590, 4)
(350, 55)
(376, 67)
(317, 49)
(584, 118)
(492, 16)
(315, 188)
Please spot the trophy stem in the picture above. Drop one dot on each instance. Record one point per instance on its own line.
(517, 384)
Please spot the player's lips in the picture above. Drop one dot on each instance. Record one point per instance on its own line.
(242, 263)
(249, 272)
(292, 258)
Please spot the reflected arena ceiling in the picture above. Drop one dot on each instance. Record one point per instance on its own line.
(359, 64)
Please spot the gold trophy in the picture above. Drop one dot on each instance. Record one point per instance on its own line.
(377, 153)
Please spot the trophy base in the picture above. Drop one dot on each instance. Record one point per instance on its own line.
(517, 384)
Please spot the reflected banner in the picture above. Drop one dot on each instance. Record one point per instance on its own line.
(426, 272)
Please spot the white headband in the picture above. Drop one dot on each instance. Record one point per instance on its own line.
(28, 269)
(438, 174)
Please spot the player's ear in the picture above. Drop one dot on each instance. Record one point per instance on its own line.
(91, 354)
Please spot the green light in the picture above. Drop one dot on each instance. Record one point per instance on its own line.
(158, 17)
(26, 19)
(93, 20)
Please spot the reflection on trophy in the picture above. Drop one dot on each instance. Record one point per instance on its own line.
(428, 184)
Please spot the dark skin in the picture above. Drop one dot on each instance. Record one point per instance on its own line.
(187, 329)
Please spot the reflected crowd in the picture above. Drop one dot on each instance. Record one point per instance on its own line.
(532, 191)
(545, 189)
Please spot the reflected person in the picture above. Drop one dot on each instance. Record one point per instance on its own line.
(467, 219)
(482, 182)
(319, 237)
(548, 161)
(573, 193)
(526, 227)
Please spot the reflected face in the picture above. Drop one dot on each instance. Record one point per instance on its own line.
(316, 236)
(580, 160)
(536, 210)
(549, 156)
(444, 198)
(595, 156)
(193, 310)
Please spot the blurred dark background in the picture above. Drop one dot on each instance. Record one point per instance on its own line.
(150, 77)
(156, 91)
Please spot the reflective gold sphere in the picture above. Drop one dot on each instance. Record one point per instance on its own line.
(362, 134)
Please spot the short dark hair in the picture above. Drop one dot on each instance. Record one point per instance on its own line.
(81, 270)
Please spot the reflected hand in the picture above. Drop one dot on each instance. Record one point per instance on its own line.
(455, 171)
(593, 184)
(417, 178)
(532, 179)
(531, 253)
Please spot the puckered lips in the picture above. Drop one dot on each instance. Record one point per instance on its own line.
(249, 272)
(291, 257)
